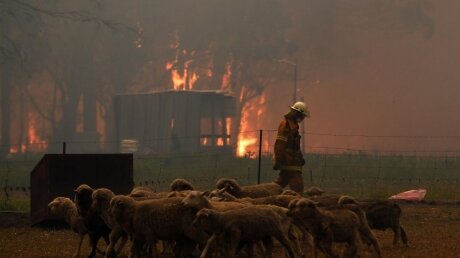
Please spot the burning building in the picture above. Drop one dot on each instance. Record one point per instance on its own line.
(175, 121)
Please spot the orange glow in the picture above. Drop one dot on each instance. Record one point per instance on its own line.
(251, 121)
(36, 142)
(226, 78)
(101, 125)
(180, 82)
(245, 139)
(220, 142)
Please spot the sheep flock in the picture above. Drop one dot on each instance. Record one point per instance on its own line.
(228, 221)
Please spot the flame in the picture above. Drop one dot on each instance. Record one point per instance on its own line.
(180, 82)
(249, 125)
(220, 141)
(245, 140)
(36, 142)
(226, 78)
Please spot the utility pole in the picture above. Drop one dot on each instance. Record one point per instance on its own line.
(294, 64)
(294, 100)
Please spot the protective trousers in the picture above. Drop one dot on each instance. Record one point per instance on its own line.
(291, 178)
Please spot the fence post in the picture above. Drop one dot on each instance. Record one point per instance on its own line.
(63, 147)
(260, 156)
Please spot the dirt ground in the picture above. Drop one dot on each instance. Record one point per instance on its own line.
(433, 230)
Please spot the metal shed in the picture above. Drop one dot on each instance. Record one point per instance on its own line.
(59, 174)
(175, 121)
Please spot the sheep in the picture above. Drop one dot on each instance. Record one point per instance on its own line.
(314, 191)
(381, 215)
(101, 201)
(277, 200)
(180, 184)
(157, 219)
(63, 207)
(142, 191)
(384, 214)
(290, 192)
(364, 230)
(249, 224)
(327, 226)
(252, 191)
(93, 222)
(198, 201)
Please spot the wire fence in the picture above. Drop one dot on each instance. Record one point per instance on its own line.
(355, 171)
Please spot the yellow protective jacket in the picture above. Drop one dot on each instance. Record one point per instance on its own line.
(288, 155)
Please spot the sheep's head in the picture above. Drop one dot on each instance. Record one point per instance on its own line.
(231, 186)
(101, 199)
(83, 198)
(60, 206)
(194, 199)
(302, 208)
(180, 184)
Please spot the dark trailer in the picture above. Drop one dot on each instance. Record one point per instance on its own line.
(174, 121)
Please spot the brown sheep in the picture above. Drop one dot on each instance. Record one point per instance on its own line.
(249, 224)
(385, 214)
(290, 192)
(62, 207)
(199, 201)
(327, 226)
(253, 191)
(179, 184)
(381, 215)
(314, 191)
(101, 201)
(157, 219)
(93, 222)
(277, 200)
(364, 230)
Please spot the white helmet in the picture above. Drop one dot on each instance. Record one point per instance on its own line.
(302, 108)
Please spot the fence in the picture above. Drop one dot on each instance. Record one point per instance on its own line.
(359, 172)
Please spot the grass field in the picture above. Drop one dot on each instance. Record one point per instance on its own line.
(357, 174)
(433, 231)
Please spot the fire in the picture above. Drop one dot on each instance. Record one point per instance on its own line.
(220, 142)
(226, 78)
(185, 81)
(251, 119)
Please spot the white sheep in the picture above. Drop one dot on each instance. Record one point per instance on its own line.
(101, 201)
(62, 207)
(249, 224)
(253, 191)
(157, 219)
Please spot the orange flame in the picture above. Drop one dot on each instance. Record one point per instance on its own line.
(180, 82)
(251, 119)
(220, 142)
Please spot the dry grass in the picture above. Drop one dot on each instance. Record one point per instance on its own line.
(433, 231)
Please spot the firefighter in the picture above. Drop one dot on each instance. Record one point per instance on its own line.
(288, 155)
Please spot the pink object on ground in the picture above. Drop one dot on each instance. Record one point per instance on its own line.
(411, 195)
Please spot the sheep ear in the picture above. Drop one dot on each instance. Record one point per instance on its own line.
(75, 191)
